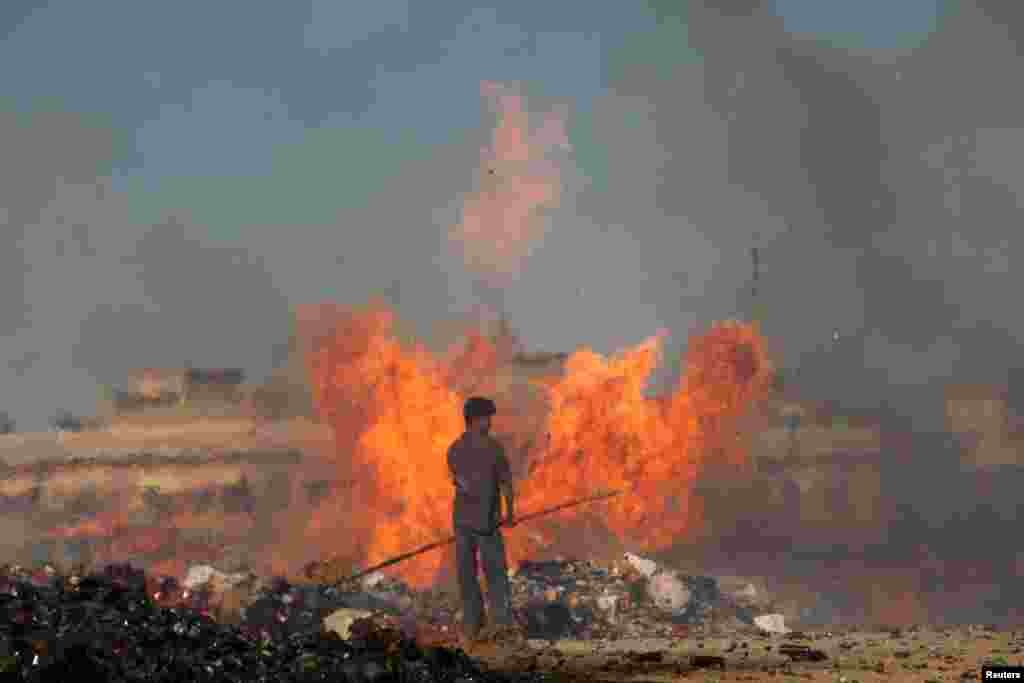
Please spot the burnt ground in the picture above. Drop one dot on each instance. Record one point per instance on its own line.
(718, 649)
(918, 654)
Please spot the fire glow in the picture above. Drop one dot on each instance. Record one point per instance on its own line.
(394, 411)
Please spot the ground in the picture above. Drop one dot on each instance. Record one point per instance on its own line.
(924, 655)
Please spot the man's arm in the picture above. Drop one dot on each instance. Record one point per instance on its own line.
(508, 492)
(456, 482)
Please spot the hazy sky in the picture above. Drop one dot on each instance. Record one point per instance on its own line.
(175, 176)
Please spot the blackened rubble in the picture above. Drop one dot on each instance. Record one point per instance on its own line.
(586, 600)
(110, 626)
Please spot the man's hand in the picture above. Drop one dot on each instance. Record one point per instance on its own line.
(510, 505)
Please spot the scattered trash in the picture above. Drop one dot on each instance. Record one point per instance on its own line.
(802, 653)
(373, 580)
(707, 661)
(203, 574)
(647, 568)
(772, 623)
(609, 603)
(668, 592)
(548, 621)
(340, 621)
(646, 657)
(748, 592)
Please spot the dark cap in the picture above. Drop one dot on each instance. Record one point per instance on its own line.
(478, 406)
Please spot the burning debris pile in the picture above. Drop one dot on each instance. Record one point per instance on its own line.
(116, 626)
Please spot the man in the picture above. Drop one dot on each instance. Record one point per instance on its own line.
(480, 472)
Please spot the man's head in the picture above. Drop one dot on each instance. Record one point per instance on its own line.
(478, 411)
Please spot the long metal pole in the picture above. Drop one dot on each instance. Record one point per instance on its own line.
(451, 539)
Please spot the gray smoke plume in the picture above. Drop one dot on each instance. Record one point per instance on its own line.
(897, 179)
(88, 294)
(886, 185)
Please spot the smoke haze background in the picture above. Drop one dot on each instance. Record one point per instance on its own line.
(171, 185)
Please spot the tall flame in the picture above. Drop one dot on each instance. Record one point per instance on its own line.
(394, 412)
(605, 433)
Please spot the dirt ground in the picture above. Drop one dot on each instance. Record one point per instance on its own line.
(925, 655)
(128, 438)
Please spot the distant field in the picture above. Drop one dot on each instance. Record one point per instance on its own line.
(129, 438)
(814, 441)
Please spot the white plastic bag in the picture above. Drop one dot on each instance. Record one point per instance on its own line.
(772, 623)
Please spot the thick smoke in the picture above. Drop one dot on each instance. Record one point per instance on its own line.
(89, 294)
(897, 178)
(880, 186)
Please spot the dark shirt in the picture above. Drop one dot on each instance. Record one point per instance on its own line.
(478, 466)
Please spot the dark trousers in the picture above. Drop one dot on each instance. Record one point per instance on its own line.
(492, 556)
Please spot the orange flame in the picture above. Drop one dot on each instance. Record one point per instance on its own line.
(393, 412)
(605, 433)
(396, 411)
(502, 220)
